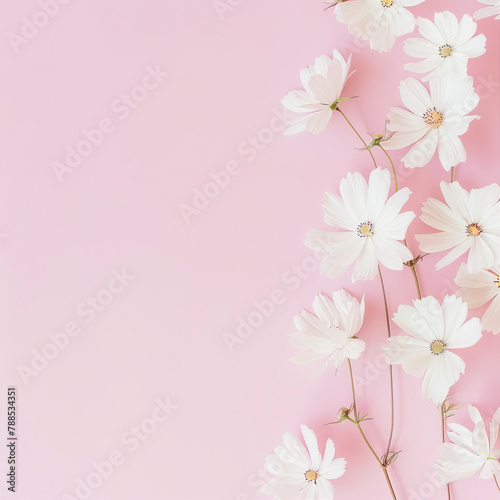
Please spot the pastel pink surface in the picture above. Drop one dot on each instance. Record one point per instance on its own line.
(162, 335)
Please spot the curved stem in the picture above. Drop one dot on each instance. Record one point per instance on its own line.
(443, 418)
(388, 321)
(358, 425)
(393, 167)
(413, 269)
(496, 482)
(357, 133)
(355, 410)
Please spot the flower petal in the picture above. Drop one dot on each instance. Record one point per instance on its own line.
(312, 445)
(422, 152)
(443, 372)
(415, 96)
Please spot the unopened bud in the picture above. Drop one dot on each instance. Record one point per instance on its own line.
(343, 413)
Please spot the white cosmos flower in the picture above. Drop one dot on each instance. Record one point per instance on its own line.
(323, 83)
(434, 121)
(478, 289)
(493, 9)
(470, 452)
(433, 330)
(446, 47)
(467, 222)
(331, 333)
(301, 473)
(373, 225)
(379, 21)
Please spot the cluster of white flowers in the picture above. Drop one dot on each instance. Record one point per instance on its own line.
(371, 232)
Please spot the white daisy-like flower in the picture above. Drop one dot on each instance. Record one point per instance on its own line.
(301, 473)
(379, 21)
(433, 331)
(434, 121)
(468, 222)
(331, 333)
(323, 83)
(471, 451)
(478, 289)
(493, 9)
(446, 47)
(373, 225)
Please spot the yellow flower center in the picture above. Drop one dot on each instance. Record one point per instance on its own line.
(445, 50)
(311, 475)
(437, 347)
(433, 118)
(473, 229)
(365, 229)
(386, 3)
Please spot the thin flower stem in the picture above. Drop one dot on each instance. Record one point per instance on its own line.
(358, 425)
(355, 410)
(357, 133)
(393, 167)
(353, 390)
(388, 321)
(388, 479)
(443, 418)
(496, 482)
(415, 278)
(413, 269)
(452, 174)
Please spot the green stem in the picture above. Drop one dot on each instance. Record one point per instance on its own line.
(388, 321)
(361, 139)
(393, 168)
(358, 425)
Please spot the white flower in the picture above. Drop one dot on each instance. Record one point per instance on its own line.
(433, 330)
(446, 47)
(478, 289)
(331, 333)
(379, 21)
(469, 221)
(434, 121)
(373, 225)
(470, 452)
(493, 9)
(301, 473)
(323, 83)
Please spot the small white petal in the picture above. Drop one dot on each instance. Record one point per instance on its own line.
(415, 96)
(443, 372)
(491, 318)
(422, 152)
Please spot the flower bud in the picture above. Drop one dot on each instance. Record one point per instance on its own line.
(343, 413)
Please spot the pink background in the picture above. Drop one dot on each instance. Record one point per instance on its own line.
(162, 336)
